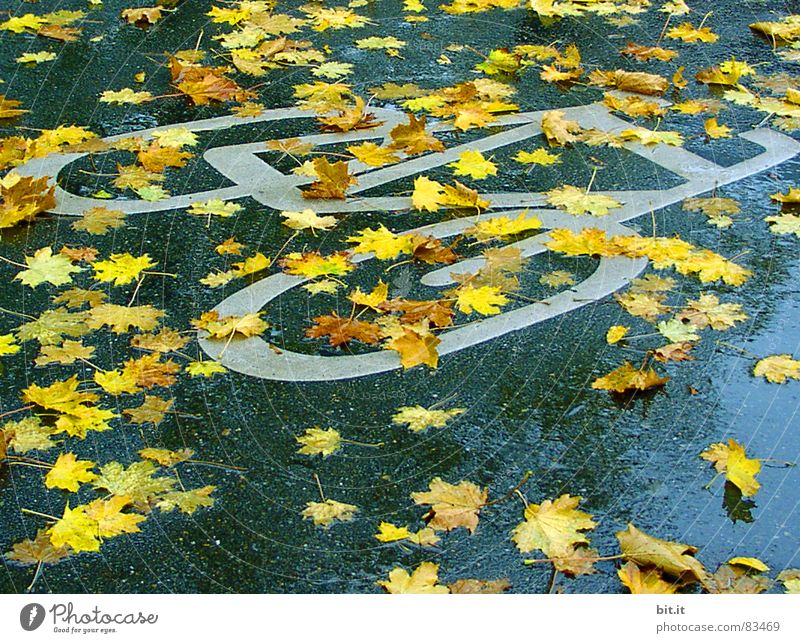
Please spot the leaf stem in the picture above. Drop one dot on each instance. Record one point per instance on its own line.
(218, 465)
(516, 489)
(13, 263)
(319, 486)
(375, 445)
(38, 513)
(19, 410)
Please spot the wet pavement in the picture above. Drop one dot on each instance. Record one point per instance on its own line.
(528, 395)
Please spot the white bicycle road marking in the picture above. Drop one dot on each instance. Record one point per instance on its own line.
(255, 178)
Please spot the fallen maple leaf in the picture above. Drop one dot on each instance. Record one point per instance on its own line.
(136, 481)
(673, 558)
(332, 182)
(39, 550)
(476, 586)
(187, 501)
(731, 460)
(419, 419)
(69, 473)
(485, 300)
(45, 267)
(349, 119)
(121, 318)
(628, 378)
(317, 441)
(327, 512)
(76, 530)
(423, 580)
(413, 139)
(121, 268)
(553, 527)
(578, 201)
(416, 348)
(648, 581)
(452, 506)
(473, 164)
(341, 330)
(110, 519)
(557, 130)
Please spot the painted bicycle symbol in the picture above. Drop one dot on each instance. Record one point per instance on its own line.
(253, 177)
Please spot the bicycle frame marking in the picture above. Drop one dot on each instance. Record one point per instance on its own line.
(255, 178)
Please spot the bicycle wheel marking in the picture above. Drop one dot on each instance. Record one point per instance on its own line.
(255, 178)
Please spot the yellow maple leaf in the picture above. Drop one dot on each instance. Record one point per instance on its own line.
(327, 512)
(777, 368)
(8, 345)
(248, 325)
(452, 506)
(116, 382)
(28, 434)
(414, 138)
(69, 473)
(553, 527)
(126, 96)
(36, 57)
(121, 268)
(427, 195)
(60, 396)
(76, 530)
(175, 137)
(688, 33)
(389, 533)
(423, 580)
(557, 130)
(473, 164)
(187, 501)
(557, 278)
(415, 348)
(100, 220)
(216, 207)
(616, 333)
(485, 300)
(205, 368)
(110, 519)
(577, 201)
(784, 223)
(373, 155)
(152, 410)
(136, 481)
(313, 264)
(629, 378)
(498, 227)
(377, 42)
(418, 418)
(715, 130)
(640, 581)
(165, 457)
(317, 441)
(121, 318)
(673, 558)
(791, 196)
(372, 300)
(539, 156)
(45, 267)
(250, 265)
(382, 242)
(652, 137)
(307, 220)
(731, 460)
